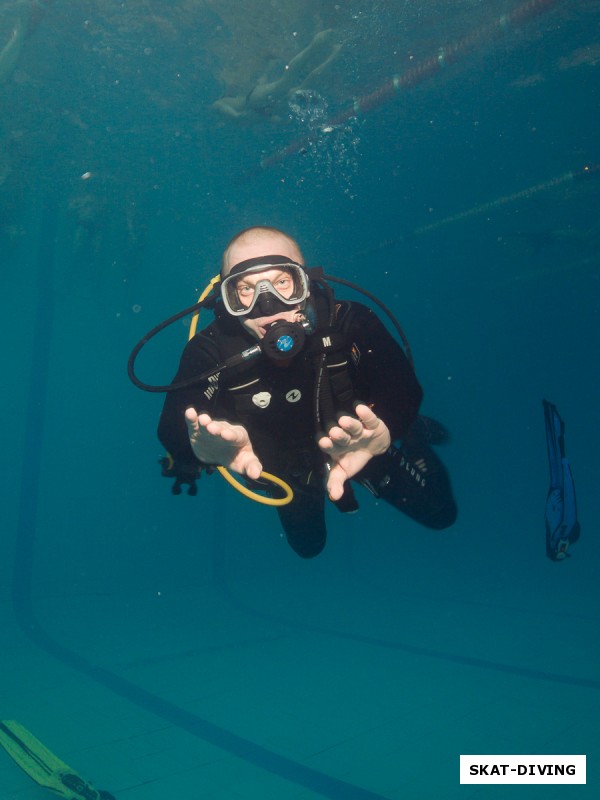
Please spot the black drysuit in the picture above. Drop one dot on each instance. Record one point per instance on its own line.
(276, 404)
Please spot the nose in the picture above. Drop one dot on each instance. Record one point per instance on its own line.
(267, 304)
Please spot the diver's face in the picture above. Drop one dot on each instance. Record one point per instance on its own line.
(283, 283)
(255, 247)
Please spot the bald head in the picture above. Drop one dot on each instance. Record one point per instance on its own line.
(256, 242)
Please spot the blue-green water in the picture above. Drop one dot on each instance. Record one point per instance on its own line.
(175, 646)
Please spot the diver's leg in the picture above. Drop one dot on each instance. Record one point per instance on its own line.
(312, 59)
(412, 479)
(303, 520)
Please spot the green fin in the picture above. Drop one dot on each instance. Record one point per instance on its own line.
(44, 767)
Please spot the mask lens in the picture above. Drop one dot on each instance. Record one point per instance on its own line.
(287, 284)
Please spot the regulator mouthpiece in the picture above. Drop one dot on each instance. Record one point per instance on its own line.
(283, 340)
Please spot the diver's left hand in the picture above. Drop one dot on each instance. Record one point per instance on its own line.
(351, 444)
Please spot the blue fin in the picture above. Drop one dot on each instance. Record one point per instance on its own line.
(562, 526)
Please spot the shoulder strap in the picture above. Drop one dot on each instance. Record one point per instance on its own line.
(334, 388)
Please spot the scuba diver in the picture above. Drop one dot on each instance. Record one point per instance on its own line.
(562, 526)
(312, 389)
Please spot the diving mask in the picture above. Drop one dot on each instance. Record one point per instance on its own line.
(244, 295)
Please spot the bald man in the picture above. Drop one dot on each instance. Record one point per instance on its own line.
(262, 416)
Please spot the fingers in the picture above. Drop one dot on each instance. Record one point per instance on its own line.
(339, 438)
(367, 416)
(325, 443)
(347, 434)
(196, 421)
(201, 423)
(347, 431)
(350, 426)
(252, 468)
(191, 417)
(335, 482)
(368, 430)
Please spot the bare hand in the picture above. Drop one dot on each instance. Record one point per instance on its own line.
(351, 444)
(220, 442)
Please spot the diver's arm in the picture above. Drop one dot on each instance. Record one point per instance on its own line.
(219, 442)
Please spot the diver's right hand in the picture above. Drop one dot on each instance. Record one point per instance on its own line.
(219, 442)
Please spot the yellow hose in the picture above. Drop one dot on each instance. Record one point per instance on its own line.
(258, 498)
(205, 293)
